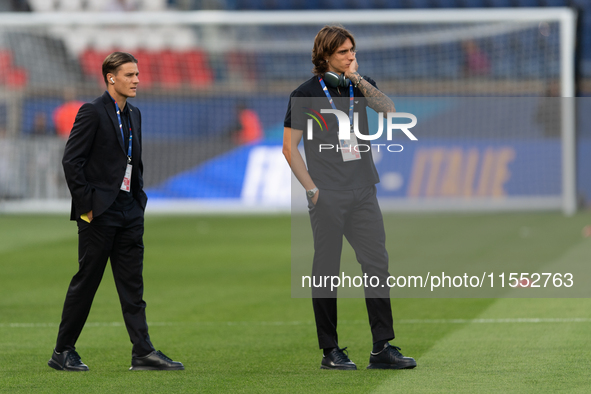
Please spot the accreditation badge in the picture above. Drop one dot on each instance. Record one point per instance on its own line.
(349, 148)
(126, 184)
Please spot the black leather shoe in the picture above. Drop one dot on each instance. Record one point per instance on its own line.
(337, 359)
(390, 358)
(68, 360)
(155, 361)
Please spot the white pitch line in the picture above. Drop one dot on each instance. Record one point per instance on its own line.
(298, 323)
(493, 321)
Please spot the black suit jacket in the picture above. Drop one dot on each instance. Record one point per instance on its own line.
(95, 158)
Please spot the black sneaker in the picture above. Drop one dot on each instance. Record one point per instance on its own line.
(390, 358)
(155, 361)
(68, 360)
(337, 359)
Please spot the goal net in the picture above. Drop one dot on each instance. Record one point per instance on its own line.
(485, 86)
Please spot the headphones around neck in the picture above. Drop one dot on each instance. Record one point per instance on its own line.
(335, 80)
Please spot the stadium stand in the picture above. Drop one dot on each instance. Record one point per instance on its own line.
(527, 3)
(97, 5)
(164, 47)
(191, 73)
(170, 68)
(10, 75)
(71, 5)
(14, 6)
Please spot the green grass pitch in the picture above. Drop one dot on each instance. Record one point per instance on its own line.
(218, 295)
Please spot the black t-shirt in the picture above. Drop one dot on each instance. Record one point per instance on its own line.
(326, 167)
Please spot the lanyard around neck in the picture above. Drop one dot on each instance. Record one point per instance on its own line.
(121, 129)
(327, 93)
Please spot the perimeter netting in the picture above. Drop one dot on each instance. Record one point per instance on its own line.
(213, 95)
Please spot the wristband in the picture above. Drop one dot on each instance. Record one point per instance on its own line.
(358, 82)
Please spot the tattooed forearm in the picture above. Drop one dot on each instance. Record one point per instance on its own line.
(376, 100)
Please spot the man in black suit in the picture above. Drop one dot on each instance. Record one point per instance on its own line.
(103, 167)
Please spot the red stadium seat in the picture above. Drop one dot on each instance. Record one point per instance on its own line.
(195, 68)
(5, 60)
(147, 66)
(91, 61)
(168, 69)
(17, 77)
(10, 75)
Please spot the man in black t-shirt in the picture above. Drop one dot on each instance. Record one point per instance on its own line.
(340, 184)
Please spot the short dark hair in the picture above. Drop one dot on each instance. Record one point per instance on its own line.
(115, 60)
(327, 41)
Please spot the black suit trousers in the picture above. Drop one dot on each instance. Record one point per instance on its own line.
(118, 236)
(356, 215)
